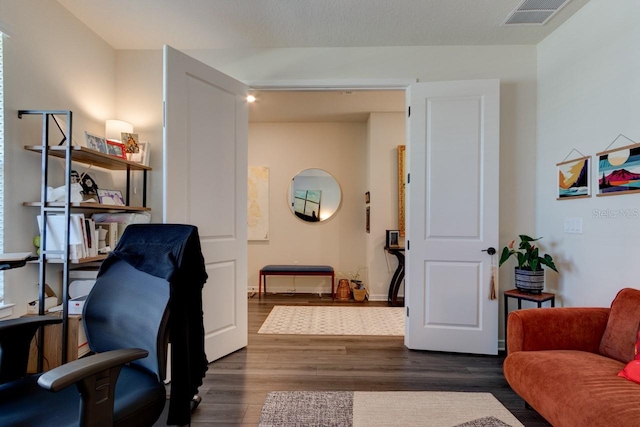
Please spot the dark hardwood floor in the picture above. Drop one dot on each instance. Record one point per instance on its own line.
(236, 386)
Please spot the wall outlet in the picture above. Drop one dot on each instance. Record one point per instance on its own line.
(296, 262)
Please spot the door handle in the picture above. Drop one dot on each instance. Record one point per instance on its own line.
(490, 250)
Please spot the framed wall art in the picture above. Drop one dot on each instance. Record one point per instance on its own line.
(619, 171)
(574, 178)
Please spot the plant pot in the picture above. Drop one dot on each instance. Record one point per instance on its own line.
(359, 294)
(529, 281)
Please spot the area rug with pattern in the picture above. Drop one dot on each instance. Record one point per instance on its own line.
(384, 409)
(328, 320)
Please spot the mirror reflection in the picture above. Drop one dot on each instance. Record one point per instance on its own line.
(314, 195)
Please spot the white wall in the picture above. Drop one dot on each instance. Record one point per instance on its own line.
(588, 92)
(52, 61)
(288, 148)
(139, 101)
(385, 132)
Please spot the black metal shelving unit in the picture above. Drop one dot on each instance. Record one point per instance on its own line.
(69, 153)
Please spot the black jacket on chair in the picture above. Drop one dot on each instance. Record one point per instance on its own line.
(173, 252)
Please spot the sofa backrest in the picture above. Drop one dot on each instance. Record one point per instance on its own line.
(620, 335)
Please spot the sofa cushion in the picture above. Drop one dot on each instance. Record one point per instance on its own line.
(622, 326)
(632, 370)
(574, 388)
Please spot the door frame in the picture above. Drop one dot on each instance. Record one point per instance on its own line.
(329, 85)
(341, 84)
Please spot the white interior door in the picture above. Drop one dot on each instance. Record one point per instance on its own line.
(452, 216)
(205, 184)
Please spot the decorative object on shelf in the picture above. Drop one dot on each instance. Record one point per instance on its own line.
(393, 239)
(130, 141)
(113, 129)
(529, 273)
(110, 197)
(88, 184)
(574, 177)
(95, 142)
(116, 148)
(617, 170)
(142, 156)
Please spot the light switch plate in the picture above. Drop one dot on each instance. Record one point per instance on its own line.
(573, 225)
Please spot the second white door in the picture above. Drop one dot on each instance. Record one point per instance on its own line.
(452, 216)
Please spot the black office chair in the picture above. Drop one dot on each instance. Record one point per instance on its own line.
(148, 289)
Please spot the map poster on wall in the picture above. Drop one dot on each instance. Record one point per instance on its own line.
(258, 203)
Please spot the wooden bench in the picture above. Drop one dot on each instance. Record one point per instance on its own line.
(294, 270)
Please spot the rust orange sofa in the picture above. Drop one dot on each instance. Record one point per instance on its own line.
(564, 362)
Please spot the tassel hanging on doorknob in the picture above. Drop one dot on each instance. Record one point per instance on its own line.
(493, 293)
(494, 283)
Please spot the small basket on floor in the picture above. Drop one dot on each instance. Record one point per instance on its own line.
(343, 292)
(360, 294)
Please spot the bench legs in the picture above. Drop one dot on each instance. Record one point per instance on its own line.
(262, 280)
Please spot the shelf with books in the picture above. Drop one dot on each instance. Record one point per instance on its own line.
(67, 236)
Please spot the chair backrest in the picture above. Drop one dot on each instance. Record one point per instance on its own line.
(128, 308)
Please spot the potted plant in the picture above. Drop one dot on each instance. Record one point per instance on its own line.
(529, 272)
(357, 286)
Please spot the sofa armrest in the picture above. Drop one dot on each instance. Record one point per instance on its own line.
(565, 328)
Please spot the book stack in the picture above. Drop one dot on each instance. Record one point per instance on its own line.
(84, 236)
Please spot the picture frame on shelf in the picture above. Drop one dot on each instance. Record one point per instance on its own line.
(110, 197)
(116, 148)
(95, 142)
(393, 239)
(142, 156)
(130, 141)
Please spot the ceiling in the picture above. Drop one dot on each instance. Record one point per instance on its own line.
(233, 24)
(213, 24)
(323, 106)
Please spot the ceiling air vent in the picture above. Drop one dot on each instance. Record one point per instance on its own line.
(534, 12)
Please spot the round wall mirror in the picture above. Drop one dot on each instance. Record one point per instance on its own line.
(314, 195)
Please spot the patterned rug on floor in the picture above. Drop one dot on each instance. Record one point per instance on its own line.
(384, 409)
(325, 320)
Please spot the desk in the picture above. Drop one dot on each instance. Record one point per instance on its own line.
(519, 295)
(397, 278)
